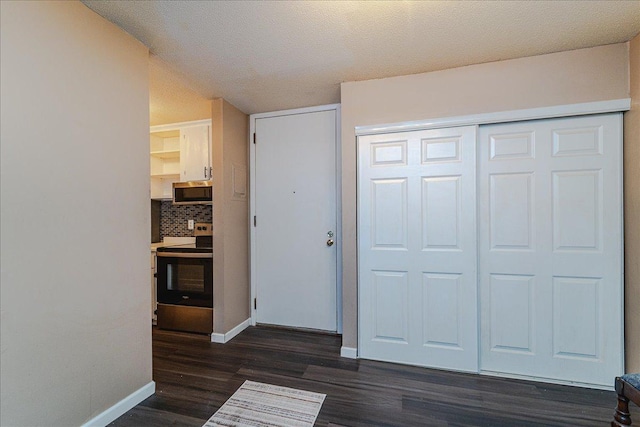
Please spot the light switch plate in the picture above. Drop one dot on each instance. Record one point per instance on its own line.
(190, 224)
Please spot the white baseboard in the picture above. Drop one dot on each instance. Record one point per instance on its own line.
(349, 352)
(111, 414)
(224, 338)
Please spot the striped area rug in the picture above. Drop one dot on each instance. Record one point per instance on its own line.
(265, 405)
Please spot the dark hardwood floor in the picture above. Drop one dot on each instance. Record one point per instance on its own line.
(194, 377)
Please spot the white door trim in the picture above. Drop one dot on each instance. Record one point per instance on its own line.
(180, 125)
(611, 106)
(315, 109)
(252, 201)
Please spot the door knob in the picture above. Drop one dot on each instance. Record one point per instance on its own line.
(330, 242)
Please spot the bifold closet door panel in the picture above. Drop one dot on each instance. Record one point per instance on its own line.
(550, 248)
(417, 248)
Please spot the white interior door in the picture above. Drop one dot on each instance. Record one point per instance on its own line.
(417, 248)
(551, 248)
(295, 207)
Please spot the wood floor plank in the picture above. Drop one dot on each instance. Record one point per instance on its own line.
(194, 377)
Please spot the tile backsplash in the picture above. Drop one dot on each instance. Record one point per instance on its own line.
(173, 218)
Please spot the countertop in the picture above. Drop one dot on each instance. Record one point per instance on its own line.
(173, 241)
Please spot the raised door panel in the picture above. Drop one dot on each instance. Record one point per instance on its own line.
(580, 141)
(441, 310)
(577, 210)
(390, 153)
(441, 213)
(440, 149)
(391, 306)
(512, 313)
(576, 330)
(389, 214)
(510, 146)
(511, 211)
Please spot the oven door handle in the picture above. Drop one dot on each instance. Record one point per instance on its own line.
(184, 255)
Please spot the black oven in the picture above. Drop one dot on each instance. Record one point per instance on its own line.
(185, 278)
(185, 284)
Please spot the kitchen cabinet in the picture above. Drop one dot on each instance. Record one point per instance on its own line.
(195, 153)
(179, 152)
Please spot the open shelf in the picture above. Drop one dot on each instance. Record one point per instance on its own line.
(166, 154)
(175, 176)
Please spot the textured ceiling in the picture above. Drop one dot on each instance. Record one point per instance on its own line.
(273, 55)
(171, 98)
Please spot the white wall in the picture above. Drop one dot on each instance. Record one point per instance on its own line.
(585, 75)
(74, 219)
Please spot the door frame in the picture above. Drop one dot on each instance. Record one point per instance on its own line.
(252, 202)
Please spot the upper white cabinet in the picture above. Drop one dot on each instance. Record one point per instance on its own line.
(179, 152)
(195, 153)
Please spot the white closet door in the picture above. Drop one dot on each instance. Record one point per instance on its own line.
(417, 248)
(551, 248)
